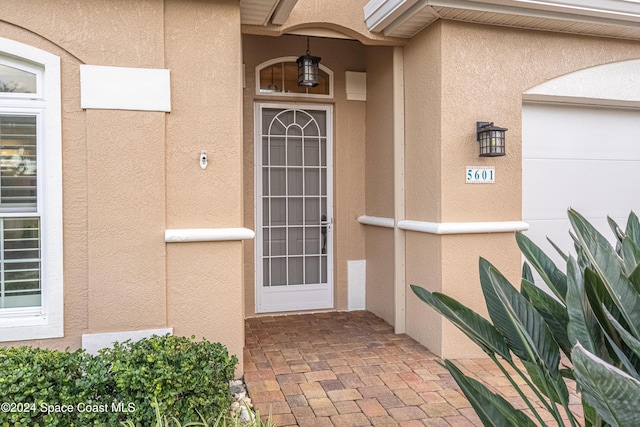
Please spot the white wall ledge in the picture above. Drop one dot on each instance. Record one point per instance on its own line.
(376, 221)
(463, 227)
(208, 234)
(446, 227)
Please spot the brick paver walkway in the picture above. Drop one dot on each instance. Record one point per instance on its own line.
(350, 369)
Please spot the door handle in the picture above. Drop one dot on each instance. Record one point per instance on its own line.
(323, 230)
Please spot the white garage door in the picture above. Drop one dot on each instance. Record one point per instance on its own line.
(581, 157)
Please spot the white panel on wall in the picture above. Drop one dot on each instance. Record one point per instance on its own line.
(356, 86)
(121, 88)
(357, 282)
(94, 342)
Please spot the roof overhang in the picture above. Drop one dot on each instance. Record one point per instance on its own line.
(404, 18)
(265, 12)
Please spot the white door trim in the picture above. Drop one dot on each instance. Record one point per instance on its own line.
(299, 297)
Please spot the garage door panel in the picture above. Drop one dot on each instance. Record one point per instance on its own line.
(569, 132)
(581, 157)
(593, 188)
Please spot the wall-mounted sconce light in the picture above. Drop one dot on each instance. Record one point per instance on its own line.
(491, 139)
(308, 69)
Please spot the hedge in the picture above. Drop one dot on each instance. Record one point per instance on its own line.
(41, 387)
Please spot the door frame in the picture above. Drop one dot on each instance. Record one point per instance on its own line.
(315, 296)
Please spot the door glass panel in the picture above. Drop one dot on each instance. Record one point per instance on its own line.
(278, 241)
(278, 211)
(323, 152)
(311, 152)
(277, 153)
(294, 177)
(312, 240)
(278, 271)
(312, 269)
(294, 130)
(265, 211)
(294, 152)
(295, 241)
(295, 211)
(323, 182)
(311, 182)
(312, 211)
(265, 272)
(278, 181)
(323, 269)
(265, 181)
(266, 244)
(296, 270)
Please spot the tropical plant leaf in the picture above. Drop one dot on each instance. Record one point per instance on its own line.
(621, 358)
(583, 325)
(632, 342)
(552, 311)
(617, 231)
(555, 279)
(532, 331)
(633, 228)
(630, 255)
(476, 327)
(492, 409)
(558, 392)
(562, 253)
(611, 392)
(606, 263)
(634, 278)
(527, 274)
(498, 313)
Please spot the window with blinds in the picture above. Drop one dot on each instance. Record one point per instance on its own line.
(20, 249)
(31, 211)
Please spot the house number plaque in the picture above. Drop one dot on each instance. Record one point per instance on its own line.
(480, 175)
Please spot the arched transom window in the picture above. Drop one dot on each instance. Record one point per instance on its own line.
(280, 77)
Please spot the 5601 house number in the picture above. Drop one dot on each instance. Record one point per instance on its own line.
(480, 175)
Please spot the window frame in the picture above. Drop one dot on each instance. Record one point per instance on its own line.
(46, 321)
(282, 59)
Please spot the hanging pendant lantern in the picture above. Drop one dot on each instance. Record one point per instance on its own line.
(308, 69)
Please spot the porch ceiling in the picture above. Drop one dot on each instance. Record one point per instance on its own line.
(608, 18)
(263, 12)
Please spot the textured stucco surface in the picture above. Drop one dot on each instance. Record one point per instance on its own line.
(129, 175)
(379, 179)
(126, 244)
(457, 74)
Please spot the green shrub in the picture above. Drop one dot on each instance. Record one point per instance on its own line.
(44, 387)
(593, 318)
(55, 388)
(182, 374)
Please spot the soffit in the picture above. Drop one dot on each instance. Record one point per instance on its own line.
(264, 12)
(405, 18)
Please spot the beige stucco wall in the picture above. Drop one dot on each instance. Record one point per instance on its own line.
(457, 74)
(379, 180)
(129, 175)
(204, 280)
(348, 148)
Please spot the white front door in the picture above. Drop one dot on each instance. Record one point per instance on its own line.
(294, 206)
